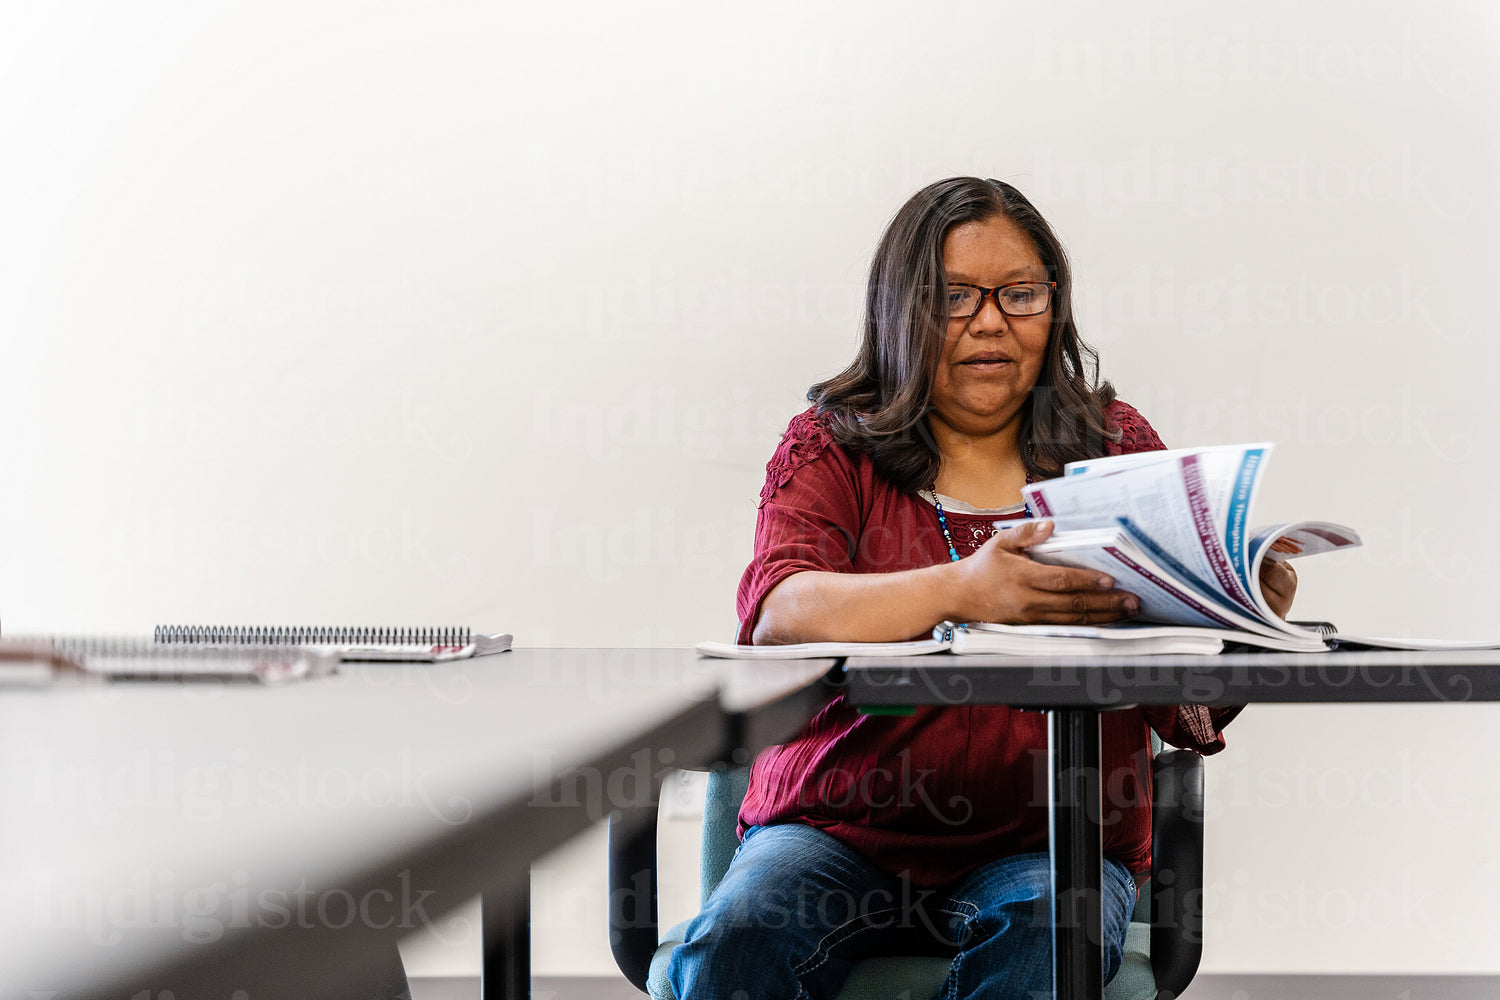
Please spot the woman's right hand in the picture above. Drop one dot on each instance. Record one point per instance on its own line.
(1001, 583)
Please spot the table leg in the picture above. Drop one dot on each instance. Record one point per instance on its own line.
(505, 925)
(1077, 853)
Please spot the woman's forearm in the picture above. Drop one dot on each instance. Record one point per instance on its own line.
(855, 607)
(997, 583)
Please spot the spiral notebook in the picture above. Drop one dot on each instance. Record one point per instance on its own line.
(42, 659)
(422, 645)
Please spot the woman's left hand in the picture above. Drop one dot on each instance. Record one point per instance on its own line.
(1278, 584)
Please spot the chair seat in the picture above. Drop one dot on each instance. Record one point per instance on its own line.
(914, 978)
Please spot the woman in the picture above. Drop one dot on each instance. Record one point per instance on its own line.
(876, 522)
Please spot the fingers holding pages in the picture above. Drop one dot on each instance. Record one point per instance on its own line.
(1002, 583)
(1083, 607)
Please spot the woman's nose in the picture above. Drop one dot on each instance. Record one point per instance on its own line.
(989, 318)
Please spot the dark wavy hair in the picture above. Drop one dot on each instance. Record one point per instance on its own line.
(879, 404)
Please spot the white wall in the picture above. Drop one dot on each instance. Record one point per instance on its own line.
(401, 312)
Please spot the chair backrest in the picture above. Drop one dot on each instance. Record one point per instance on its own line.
(1174, 897)
(721, 819)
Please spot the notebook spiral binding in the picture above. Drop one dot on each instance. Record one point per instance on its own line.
(305, 636)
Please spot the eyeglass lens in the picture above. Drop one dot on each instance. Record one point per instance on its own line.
(1014, 300)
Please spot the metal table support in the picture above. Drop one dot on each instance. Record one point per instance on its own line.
(1074, 805)
(505, 928)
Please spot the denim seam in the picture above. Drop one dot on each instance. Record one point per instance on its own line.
(836, 937)
(963, 909)
(970, 914)
(954, 968)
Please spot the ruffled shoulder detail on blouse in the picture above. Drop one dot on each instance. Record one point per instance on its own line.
(807, 437)
(1135, 433)
(1192, 727)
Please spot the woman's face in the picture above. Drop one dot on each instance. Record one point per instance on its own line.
(990, 361)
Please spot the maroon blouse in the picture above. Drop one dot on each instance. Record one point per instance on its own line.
(940, 792)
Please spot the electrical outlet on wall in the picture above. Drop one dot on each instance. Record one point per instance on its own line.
(682, 794)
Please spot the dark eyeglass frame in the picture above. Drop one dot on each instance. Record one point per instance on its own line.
(985, 293)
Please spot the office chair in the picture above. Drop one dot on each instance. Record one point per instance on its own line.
(1163, 944)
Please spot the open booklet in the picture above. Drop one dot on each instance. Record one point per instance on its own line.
(1081, 640)
(1172, 527)
(983, 637)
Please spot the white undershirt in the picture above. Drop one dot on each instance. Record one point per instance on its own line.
(959, 507)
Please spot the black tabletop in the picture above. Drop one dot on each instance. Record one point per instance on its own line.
(1222, 679)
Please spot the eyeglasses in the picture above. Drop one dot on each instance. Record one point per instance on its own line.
(1019, 298)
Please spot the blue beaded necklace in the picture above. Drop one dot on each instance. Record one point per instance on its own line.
(953, 555)
(943, 521)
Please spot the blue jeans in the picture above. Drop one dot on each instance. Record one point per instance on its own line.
(797, 908)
